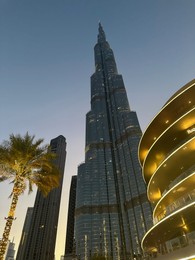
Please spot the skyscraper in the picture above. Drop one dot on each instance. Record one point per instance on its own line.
(112, 210)
(167, 154)
(69, 248)
(40, 244)
(25, 231)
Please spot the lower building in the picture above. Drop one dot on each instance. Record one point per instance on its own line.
(10, 251)
(167, 156)
(25, 231)
(70, 247)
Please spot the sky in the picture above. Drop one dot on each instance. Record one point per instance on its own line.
(46, 60)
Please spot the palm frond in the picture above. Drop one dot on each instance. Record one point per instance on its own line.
(26, 159)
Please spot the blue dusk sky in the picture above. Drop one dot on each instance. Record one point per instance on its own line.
(46, 60)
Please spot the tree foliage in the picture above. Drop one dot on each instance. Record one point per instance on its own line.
(24, 161)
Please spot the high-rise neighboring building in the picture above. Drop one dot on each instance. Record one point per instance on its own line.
(41, 239)
(25, 231)
(167, 155)
(69, 248)
(112, 209)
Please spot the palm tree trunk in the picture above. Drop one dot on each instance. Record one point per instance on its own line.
(9, 221)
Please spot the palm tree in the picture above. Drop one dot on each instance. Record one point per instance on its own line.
(26, 162)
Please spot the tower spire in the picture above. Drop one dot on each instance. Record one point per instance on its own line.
(101, 35)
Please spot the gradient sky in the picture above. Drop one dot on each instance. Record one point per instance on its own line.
(46, 60)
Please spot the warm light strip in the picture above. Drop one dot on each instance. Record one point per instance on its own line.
(166, 194)
(164, 219)
(188, 257)
(163, 133)
(170, 155)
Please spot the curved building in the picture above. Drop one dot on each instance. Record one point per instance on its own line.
(167, 156)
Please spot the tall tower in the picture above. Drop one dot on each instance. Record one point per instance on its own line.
(40, 244)
(112, 210)
(69, 248)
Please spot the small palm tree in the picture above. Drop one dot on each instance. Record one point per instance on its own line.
(25, 162)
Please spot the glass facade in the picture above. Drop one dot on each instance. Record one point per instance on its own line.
(112, 211)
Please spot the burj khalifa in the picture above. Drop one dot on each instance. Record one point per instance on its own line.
(112, 211)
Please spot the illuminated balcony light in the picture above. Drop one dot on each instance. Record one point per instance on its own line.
(183, 222)
(185, 228)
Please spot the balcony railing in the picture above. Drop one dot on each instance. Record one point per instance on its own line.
(177, 204)
(179, 178)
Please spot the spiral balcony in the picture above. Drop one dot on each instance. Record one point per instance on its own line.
(167, 157)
